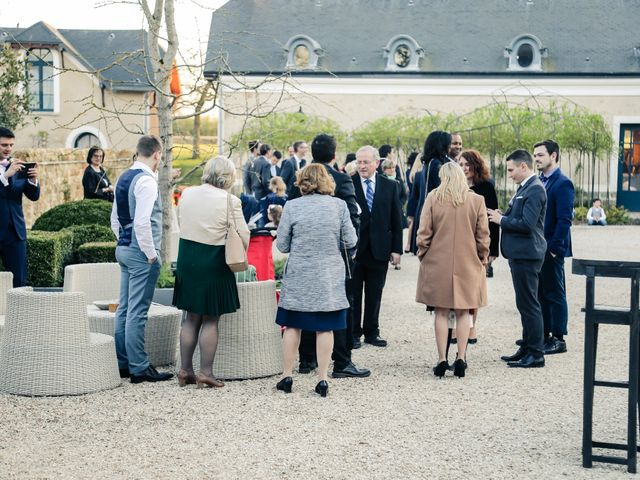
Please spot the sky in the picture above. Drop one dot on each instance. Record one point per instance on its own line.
(193, 17)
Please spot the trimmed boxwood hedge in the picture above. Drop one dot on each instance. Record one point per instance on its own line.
(82, 212)
(47, 254)
(89, 233)
(97, 252)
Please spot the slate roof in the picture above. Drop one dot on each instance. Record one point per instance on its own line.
(459, 37)
(117, 55)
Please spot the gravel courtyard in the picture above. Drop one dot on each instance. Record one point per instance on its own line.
(401, 422)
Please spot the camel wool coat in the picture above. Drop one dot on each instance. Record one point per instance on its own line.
(453, 246)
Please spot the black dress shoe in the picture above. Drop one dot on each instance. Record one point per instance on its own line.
(307, 367)
(440, 369)
(555, 346)
(459, 368)
(529, 361)
(350, 371)
(519, 355)
(285, 384)
(356, 343)
(150, 375)
(520, 342)
(124, 373)
(322, 388)
(489, 271)
(376, 341)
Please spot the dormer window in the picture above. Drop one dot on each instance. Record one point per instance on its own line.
(303, 53)
(525, 53)
(403, 54)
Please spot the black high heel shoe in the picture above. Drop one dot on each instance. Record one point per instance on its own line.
(285, 384)
(459, 368)
(440, 369)
(322, 388)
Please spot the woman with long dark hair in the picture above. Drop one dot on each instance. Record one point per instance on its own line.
(434, 155)
(95, 182)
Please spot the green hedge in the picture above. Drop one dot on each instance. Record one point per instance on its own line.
(83, 212)
(47, 254)
(97, 252)
(89, 233)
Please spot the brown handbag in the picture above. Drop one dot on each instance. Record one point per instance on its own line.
(234, 253)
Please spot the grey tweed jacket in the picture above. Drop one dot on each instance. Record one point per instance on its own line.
(313, 230)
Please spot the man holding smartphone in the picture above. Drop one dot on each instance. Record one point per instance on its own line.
(16, 179)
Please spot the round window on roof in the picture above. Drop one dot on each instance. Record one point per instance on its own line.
(402, 55)
(525, 55)
(301, 56)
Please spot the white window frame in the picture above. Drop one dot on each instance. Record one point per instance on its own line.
(314, 48)
(417, 52)
(73, 136)
(539, 52)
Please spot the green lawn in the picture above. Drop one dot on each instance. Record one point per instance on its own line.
(182, 160)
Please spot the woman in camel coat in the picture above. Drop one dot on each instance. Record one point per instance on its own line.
(453, 246)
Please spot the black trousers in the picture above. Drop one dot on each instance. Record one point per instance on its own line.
(13, 252)
(524, 274)
(341, 339)
(370, 276)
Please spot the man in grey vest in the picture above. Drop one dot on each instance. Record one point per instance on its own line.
(136, 220)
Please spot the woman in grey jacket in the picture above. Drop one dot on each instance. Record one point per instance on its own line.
(314, 230)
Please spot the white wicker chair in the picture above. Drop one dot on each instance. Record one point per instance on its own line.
(47, 349)
(98, 281)
(249, 341)
(6, 283)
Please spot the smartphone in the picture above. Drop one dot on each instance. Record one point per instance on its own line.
(23, 173)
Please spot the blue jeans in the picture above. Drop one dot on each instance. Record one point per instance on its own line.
(553, 295)
(597, 222)
(137, 283)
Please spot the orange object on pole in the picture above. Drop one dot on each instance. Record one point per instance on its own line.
(176, 89)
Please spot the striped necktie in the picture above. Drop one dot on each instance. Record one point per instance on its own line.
(369, 193)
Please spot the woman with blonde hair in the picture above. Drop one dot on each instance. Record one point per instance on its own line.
(314, 229)
(276, 197)
(453, 246)
(205, 287)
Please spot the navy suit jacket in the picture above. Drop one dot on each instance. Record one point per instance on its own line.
(380, 229)
(11, 205)
(557, 222)
(288, 172)
(523, 224)
(260, 177)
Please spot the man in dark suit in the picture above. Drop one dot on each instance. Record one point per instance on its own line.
(522, 242)
(291, 165)
(380, 242)
(261, 173)
(247, 175)
(13, 232)
(323, 149)
(557, 231)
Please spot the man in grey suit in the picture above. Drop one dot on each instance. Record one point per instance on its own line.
(523, 243)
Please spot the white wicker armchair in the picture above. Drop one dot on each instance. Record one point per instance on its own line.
(98, 281)
(249, 341)
(6, 283)
(47, 349)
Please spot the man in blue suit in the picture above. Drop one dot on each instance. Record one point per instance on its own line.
(13, 232)
(522, 242)
(557, 231)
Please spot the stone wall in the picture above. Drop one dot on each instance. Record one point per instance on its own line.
(60, 173)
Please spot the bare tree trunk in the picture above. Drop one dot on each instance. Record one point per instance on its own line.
(162, 66)
(195, 152)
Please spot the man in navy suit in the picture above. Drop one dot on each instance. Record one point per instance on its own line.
(380, 242)
(523, 243)
(13, 231)
(291, 165)
(557, 231)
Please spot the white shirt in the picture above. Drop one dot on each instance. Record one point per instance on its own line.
(274, 172)
(5, 181)
(298, 160)
(146, 193)
(373, 184)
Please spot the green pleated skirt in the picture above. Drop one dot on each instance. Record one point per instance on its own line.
(204, 283)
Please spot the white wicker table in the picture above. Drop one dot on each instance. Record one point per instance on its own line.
(161, 333)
